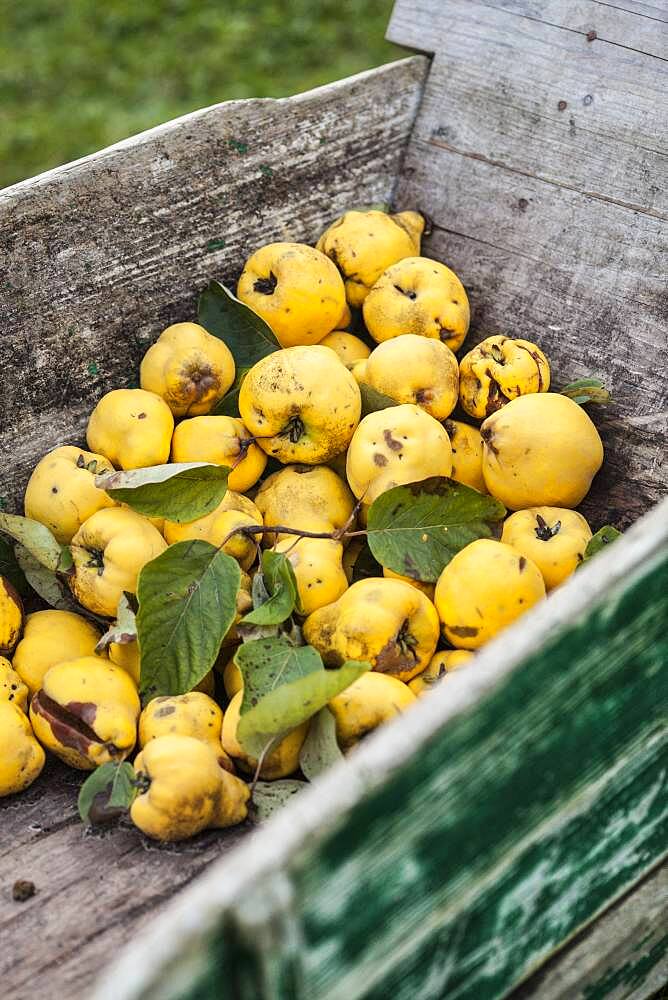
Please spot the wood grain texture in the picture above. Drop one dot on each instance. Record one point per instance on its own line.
(554, 219)
(99, 256)
(623, 955)
(465, 842)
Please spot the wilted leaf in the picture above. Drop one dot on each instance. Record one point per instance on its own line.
(365, 564)
(107, 793)
(33, 536)
(415, 530)
(187, 603)
(373, 400)
(124, 629)
(10, 569)
(246, 334)
(284, 685)
(321, 749)
(603, 537)
(180, 492)
(586, 390)
(270, 796)
(45, 582)
(278, 580)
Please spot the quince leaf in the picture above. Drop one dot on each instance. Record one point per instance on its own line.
(107, 793)
(11, 569)
(280, 586)
(181, 491)
(321, 749)
(270, 796)
(284, 685)
(372, 400)
(35, 537)
(124, 629)
(416, 529)
(246, 334)
(603, 537)
(586, 390)
(46, 583)
(228, 406)
(187, 604)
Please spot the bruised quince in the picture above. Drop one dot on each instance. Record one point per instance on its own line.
(313, 498)
(296, 290)
(233, 511)
(367, 703)
(194, 714)
(281, 761)
(86, 712)
(388, 623)
(11, 616)
(222, 441)
(301, 404)
(419, 296)
(418, 370)
(500, 369)
(61, 492)
(21, 756)
(441, 665)
(347, 347)
(540, 450)
(466, 443)
(184, 790)
(132, 427)
(483, 589)
(554, 538)
(109, 551)
(189, 368)
(12, 687)
(401, 444)
(49, 637)
(364, 244)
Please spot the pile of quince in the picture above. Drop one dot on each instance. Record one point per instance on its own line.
(300, 408)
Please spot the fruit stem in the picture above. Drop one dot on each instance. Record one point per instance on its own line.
(543, 531)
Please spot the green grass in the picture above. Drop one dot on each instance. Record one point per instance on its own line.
(76, 75)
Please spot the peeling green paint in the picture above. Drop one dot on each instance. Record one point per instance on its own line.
(631, 975)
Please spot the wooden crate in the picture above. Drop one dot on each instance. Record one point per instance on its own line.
(511, 829)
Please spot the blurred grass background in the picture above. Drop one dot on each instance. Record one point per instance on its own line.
(77, 75)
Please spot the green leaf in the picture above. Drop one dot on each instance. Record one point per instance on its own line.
(107, 793)
(321, 749)
(183, 491)
(124, 629)
(416, 529)
(373, 400)
(228, 406)
(284, 685)
(10, 568)
(270, 796)
(603, 537)
(33, 536)
(586, 390)
(246, 334)
(366, 565)
(187, 603)
(45, 582)
(280, 585)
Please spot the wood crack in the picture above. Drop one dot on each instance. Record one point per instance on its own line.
(595, 195)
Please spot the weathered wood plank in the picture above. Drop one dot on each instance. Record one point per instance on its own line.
(100, 255)
(623, 955)
(416, 25)
(546, 761)
(552, 242)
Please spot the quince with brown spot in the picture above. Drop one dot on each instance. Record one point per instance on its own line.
(86, 712)
(386, 623)
(281, 761)
(467, 449)
(12, 688)
(554, 538)
(11, 616)
(307, 497)
(500, 369)
(188, 368)
(61, 492)
(234, 511)
(411, 369)
(442, 664)
(367, 703)
(132, 427)
(221, 441)
(194, 714)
